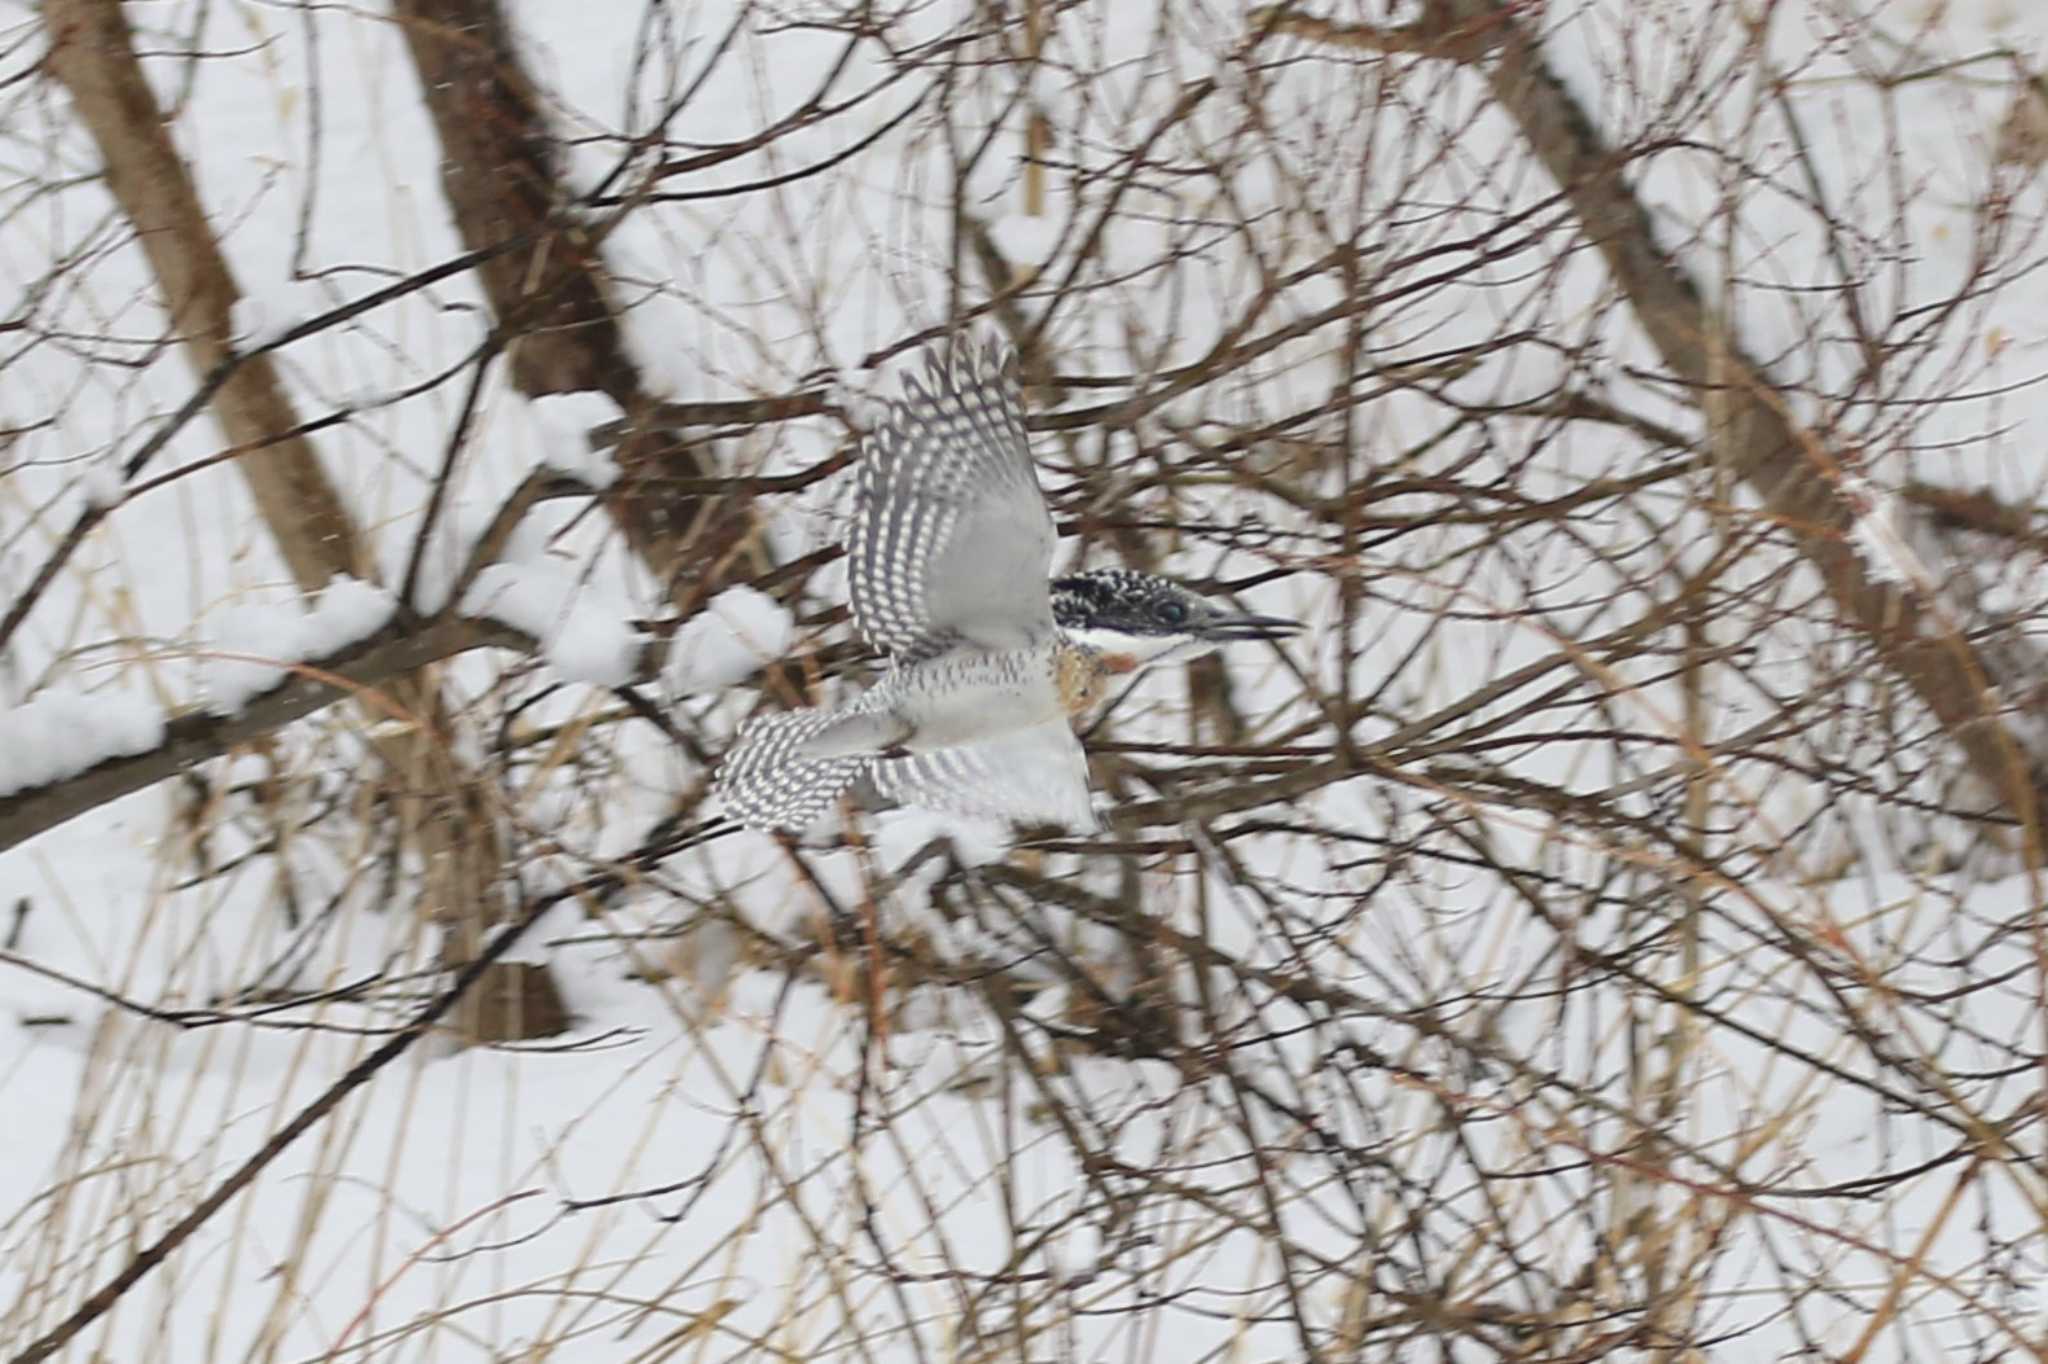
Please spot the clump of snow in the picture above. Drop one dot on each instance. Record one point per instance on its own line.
(584, 637)
(62, 733)
(349, 609)
(453, 539)
(258, 319)
(245, 654)
(652, 313)
(728, 641)
(251, 648)
(1885, 539)
(565, 421)
(246, 318)
(1029, 243)
(103, 483)
(852, 391)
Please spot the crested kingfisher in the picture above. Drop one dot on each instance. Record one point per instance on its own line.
(989, 663)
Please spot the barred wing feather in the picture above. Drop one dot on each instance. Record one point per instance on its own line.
(764, 786)
(951, 540)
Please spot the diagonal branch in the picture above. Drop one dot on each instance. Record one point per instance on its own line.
(553, 295)
(1786, 464)
(92, 53)
(390, 654)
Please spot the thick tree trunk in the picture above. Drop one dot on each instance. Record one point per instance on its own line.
(90, 52)
(1785, 464)
(93, 55)
(499, 173)
(1789, 467)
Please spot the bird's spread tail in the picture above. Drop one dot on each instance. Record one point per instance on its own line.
(767, 782)
(1037, 775)
(772, 778)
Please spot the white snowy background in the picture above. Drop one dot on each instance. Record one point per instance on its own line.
(830, 1193)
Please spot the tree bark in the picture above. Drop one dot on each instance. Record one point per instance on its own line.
(554, 295)
(443, 809)
(1787, 466)
(200, 736)
(91, 53)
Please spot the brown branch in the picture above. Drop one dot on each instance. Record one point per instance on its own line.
(195, 737)
(1782, 461)
(553, 296)
(812, 402)
(91, 53)
(1977, 512)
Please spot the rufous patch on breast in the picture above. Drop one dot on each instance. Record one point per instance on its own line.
(1078, 673)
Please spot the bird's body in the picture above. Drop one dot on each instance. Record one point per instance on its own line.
(968, 694)
(989, 662)
(962, 696)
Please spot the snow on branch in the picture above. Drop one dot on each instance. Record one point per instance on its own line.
(740, 631)
(1894, 547)
(250, 650)
(80, 752)
(61, 733)
(586, 635)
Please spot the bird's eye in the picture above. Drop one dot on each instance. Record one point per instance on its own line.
(1173, 612)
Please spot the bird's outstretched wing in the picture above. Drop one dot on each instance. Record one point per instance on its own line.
(1027, 776)
(951, 540)
(765, 785)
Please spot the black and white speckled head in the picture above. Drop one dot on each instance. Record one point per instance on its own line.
(1149, 619)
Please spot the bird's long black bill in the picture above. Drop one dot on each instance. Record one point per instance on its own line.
(1251, 627)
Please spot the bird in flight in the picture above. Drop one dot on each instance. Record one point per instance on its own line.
(989, 662)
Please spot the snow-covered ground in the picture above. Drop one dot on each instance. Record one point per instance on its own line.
(724, 1158)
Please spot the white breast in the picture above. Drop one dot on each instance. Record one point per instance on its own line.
(968, 695)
